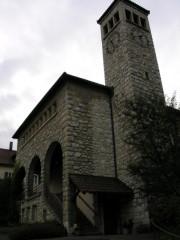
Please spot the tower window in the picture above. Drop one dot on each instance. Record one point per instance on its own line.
(116, 17)
(111, 23)
(105, 29)
(128, 15)
(143, 22)
(136, 18)
(146, 75)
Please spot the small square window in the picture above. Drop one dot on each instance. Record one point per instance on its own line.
(105, 30)
(34, 213)
(143, 22)
(128, 15)
(44, 215)
(136, 18)
(23, 215)
(111, 23)
(54, 107)
(116, 17)
(28, 214)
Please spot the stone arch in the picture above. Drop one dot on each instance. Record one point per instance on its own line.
(53, 169)
(34, 175)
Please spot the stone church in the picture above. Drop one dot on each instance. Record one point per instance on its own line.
(72, 143)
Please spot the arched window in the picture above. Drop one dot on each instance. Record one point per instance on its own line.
(34, 176)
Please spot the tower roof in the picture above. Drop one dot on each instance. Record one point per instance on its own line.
(128, 2)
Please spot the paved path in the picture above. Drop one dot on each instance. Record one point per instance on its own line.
(114, 237)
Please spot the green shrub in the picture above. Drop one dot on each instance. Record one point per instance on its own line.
(4, 229)
(143, 228)
(37, 231)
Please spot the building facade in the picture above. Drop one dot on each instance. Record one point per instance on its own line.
(72, 144)
(7, 161)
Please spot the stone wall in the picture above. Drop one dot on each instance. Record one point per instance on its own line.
(83, 127)
(89, 131)
(89, 135)
(52, 130)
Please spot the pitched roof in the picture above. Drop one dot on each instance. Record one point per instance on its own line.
(7, 157)
(59, 84)
(99, 184)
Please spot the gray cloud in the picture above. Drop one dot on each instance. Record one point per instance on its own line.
(8, 102)
(6, 132)
(40, 39)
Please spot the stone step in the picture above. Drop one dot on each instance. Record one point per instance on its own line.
(86, 227)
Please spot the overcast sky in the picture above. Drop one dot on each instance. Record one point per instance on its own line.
(41, 39)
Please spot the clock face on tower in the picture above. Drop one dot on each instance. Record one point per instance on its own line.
(139, 37)
(112, 42)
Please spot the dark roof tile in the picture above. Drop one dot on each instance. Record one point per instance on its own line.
(7, 157)
(99, 184)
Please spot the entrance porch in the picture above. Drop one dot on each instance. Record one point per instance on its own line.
(97, 202)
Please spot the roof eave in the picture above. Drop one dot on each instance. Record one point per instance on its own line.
(63, 79)
(130, 3)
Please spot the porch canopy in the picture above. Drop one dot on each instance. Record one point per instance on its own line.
(99, 184)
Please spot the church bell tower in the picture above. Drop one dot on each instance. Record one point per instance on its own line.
(132, 70)
(130, 62)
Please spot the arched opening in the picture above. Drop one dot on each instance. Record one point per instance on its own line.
(53, 179)
(34, 176)
(53, 168)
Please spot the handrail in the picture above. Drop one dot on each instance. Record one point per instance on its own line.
(55, 202)
(87, 205)
(164, 231)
